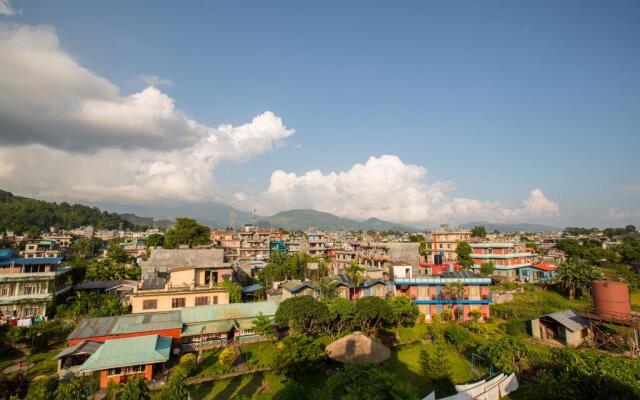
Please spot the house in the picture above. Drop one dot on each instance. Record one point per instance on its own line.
(295, 288)
(437, 269)
(121, 289)
(444, 244)
(462, 292)
(42, 249)
(119, 360)
(28, 284)
(506, 257)
(71, 359)
(185, 287)
(213, 326)
(342, 260)
(541, 272)
(368, 287)
(402, 269)
(565, 327)
(209, 261)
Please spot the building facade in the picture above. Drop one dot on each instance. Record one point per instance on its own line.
(506, 257)
(445, 243)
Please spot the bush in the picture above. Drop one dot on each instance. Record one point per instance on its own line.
(13, 385)
(135, 389)
(446, 315)
(176, 387)
(42, 387)
(458, 336)
(477, 328)
(189, 362)
(228, 357)
(515, 327)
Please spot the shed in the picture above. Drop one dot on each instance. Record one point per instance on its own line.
(564, 326)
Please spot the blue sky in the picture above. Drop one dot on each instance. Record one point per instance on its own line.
(497, 97)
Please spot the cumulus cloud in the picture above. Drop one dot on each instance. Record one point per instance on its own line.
(616, 213)
(7, 9)
(387, 188)
(69, 133)
(154, 80)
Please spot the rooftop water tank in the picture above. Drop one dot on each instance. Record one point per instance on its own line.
(611, 300)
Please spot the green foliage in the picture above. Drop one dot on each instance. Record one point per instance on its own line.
(39, 336)
(189, 362)
(576, 276)
(42, 387)
(234, 290)
(110, 270)
(13, 385)
(341, 315)
(515, 327)
(507, 353)
(434, 367)
(478, 328)
(458, 336)
(404, 312)
(487, 268)
(82, 249)
(366, 381)
(286, 266)
(21, 214)
(296, 356)
(630, 251)
(92, 304)
(154, 240)
(463, 253)
(292, 390)
(135, 389)
(371, 313)
(117, 253)
(71, 390)
(419, 239)
(228, 357)
(176, 387)
(112, 390)
(187, 231)
(589, 250)
(302, 315)
(447, 315)
(262, 325)
(479, 232)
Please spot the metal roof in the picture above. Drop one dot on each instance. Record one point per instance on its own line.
(139, 350)
(103, 285)
(153, 283)
(252, 288)
(215, 327)
(84, 347)
(221, 312)
(129, 323)
(459, 274)
(569, 319)
(31, 261)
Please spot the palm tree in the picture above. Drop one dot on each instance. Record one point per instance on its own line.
(355, 273)
(576, 275)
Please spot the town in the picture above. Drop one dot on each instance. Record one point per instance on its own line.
(260, 312)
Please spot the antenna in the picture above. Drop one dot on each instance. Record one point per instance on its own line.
(253, 216)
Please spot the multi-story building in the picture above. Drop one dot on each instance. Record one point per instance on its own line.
(342, 260)
(42, 249)
(317, 243)
(161, 261)
(445, 243)
(464, 293)
(506, 257)
(383, 254)
(27, 285)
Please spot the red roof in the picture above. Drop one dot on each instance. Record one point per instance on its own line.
(546, 267)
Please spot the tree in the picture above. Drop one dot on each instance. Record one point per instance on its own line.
(176, 387)
(71, 390)
(463, 254)
(135, 389)
(263, 325)
(189, 362)
(355, 274)
(479, 232)
(576, 276)
(404, 312)
(228, 357)
(234, 290)
(487, 268)
(187, 231)
(506, 353)
(341, 314)
(302, 315)
(292, 390)
(366, 381)
(371, 313)
(154, 240)
(117, 253)
(41, 387)
(296, 356)
(436, 366)
(13, 385)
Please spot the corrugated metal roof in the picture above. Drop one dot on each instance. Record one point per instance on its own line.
(84, 347)
(153, 283)
(215, 327)
(130, 351)
(130, 323)
(569, 319)
(252, 288)
(221, 312)
(102, 285)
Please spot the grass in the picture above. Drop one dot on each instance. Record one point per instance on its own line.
(635, 300)
(531, 304)
(8, 356)
(258, 355)
(43, 363)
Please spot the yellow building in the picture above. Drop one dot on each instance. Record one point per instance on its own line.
(445, 242)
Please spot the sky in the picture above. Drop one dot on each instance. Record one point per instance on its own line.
(417, 112)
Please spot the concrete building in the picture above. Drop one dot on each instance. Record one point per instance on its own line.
(445, 243)
(382, 254)
(342, 260)
(42, 249)
(461, 292)
(565, 327)
(506, 257)
(542, 272)
(317, 243)
(27, 285)
(161, 261)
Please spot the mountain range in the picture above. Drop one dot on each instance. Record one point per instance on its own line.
(513, 227)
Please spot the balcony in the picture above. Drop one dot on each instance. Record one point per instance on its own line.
(33, 276)
(26, 297)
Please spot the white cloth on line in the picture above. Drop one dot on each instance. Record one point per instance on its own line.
(431, 396)
(508, 385)
(464, 388)
(476, 391)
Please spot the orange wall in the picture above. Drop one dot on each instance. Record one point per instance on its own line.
(104, 378)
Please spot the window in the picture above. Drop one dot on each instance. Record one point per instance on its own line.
(30, 289)
(114, 371)
(202, 301)
(149, 304)
(135, 369)
(215, 299)
(178, 302)
(5, 291)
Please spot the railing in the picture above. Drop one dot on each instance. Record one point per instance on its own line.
(204, 345)
(442, 281)
(33, 296)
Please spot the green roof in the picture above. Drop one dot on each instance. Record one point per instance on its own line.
(215, 327)
(118, 353)
(223, 312)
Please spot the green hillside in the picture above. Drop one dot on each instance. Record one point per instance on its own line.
(305, 219)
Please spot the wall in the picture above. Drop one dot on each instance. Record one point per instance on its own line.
(104, 378)
(173, 333)
(164, 299)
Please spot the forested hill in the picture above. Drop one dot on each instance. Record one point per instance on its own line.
(21, 214)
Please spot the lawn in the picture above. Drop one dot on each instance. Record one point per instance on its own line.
(43, 363)
(257, 355)
(8, 356)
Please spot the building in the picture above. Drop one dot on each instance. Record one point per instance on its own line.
(342, 260)
(565, 327)
(317, 243)
(506, 257)
(27, 285)
(444, 243)
(42, 249)
(296, 288)
(462, 292)
(119, 360)
(121, 289)
(542, 272)
(185, 287)
(162, 260)
(382, 254)
(369, 287)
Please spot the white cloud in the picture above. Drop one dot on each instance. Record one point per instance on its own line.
(616, 213)
(68, 133)
(154, 80)
(7, 9)
(387, 188)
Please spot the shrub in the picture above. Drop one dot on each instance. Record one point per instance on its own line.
(515, 327)
(477, 328)
(189, 362)
(458, 336)
(42, 387)
(176, 387)
(228, 357)
(135, 389)
(13, 385)
(446, 315)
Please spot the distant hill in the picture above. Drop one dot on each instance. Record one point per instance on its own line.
(148, 221)
(307, 218)
(21, 214)
(514, 227)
